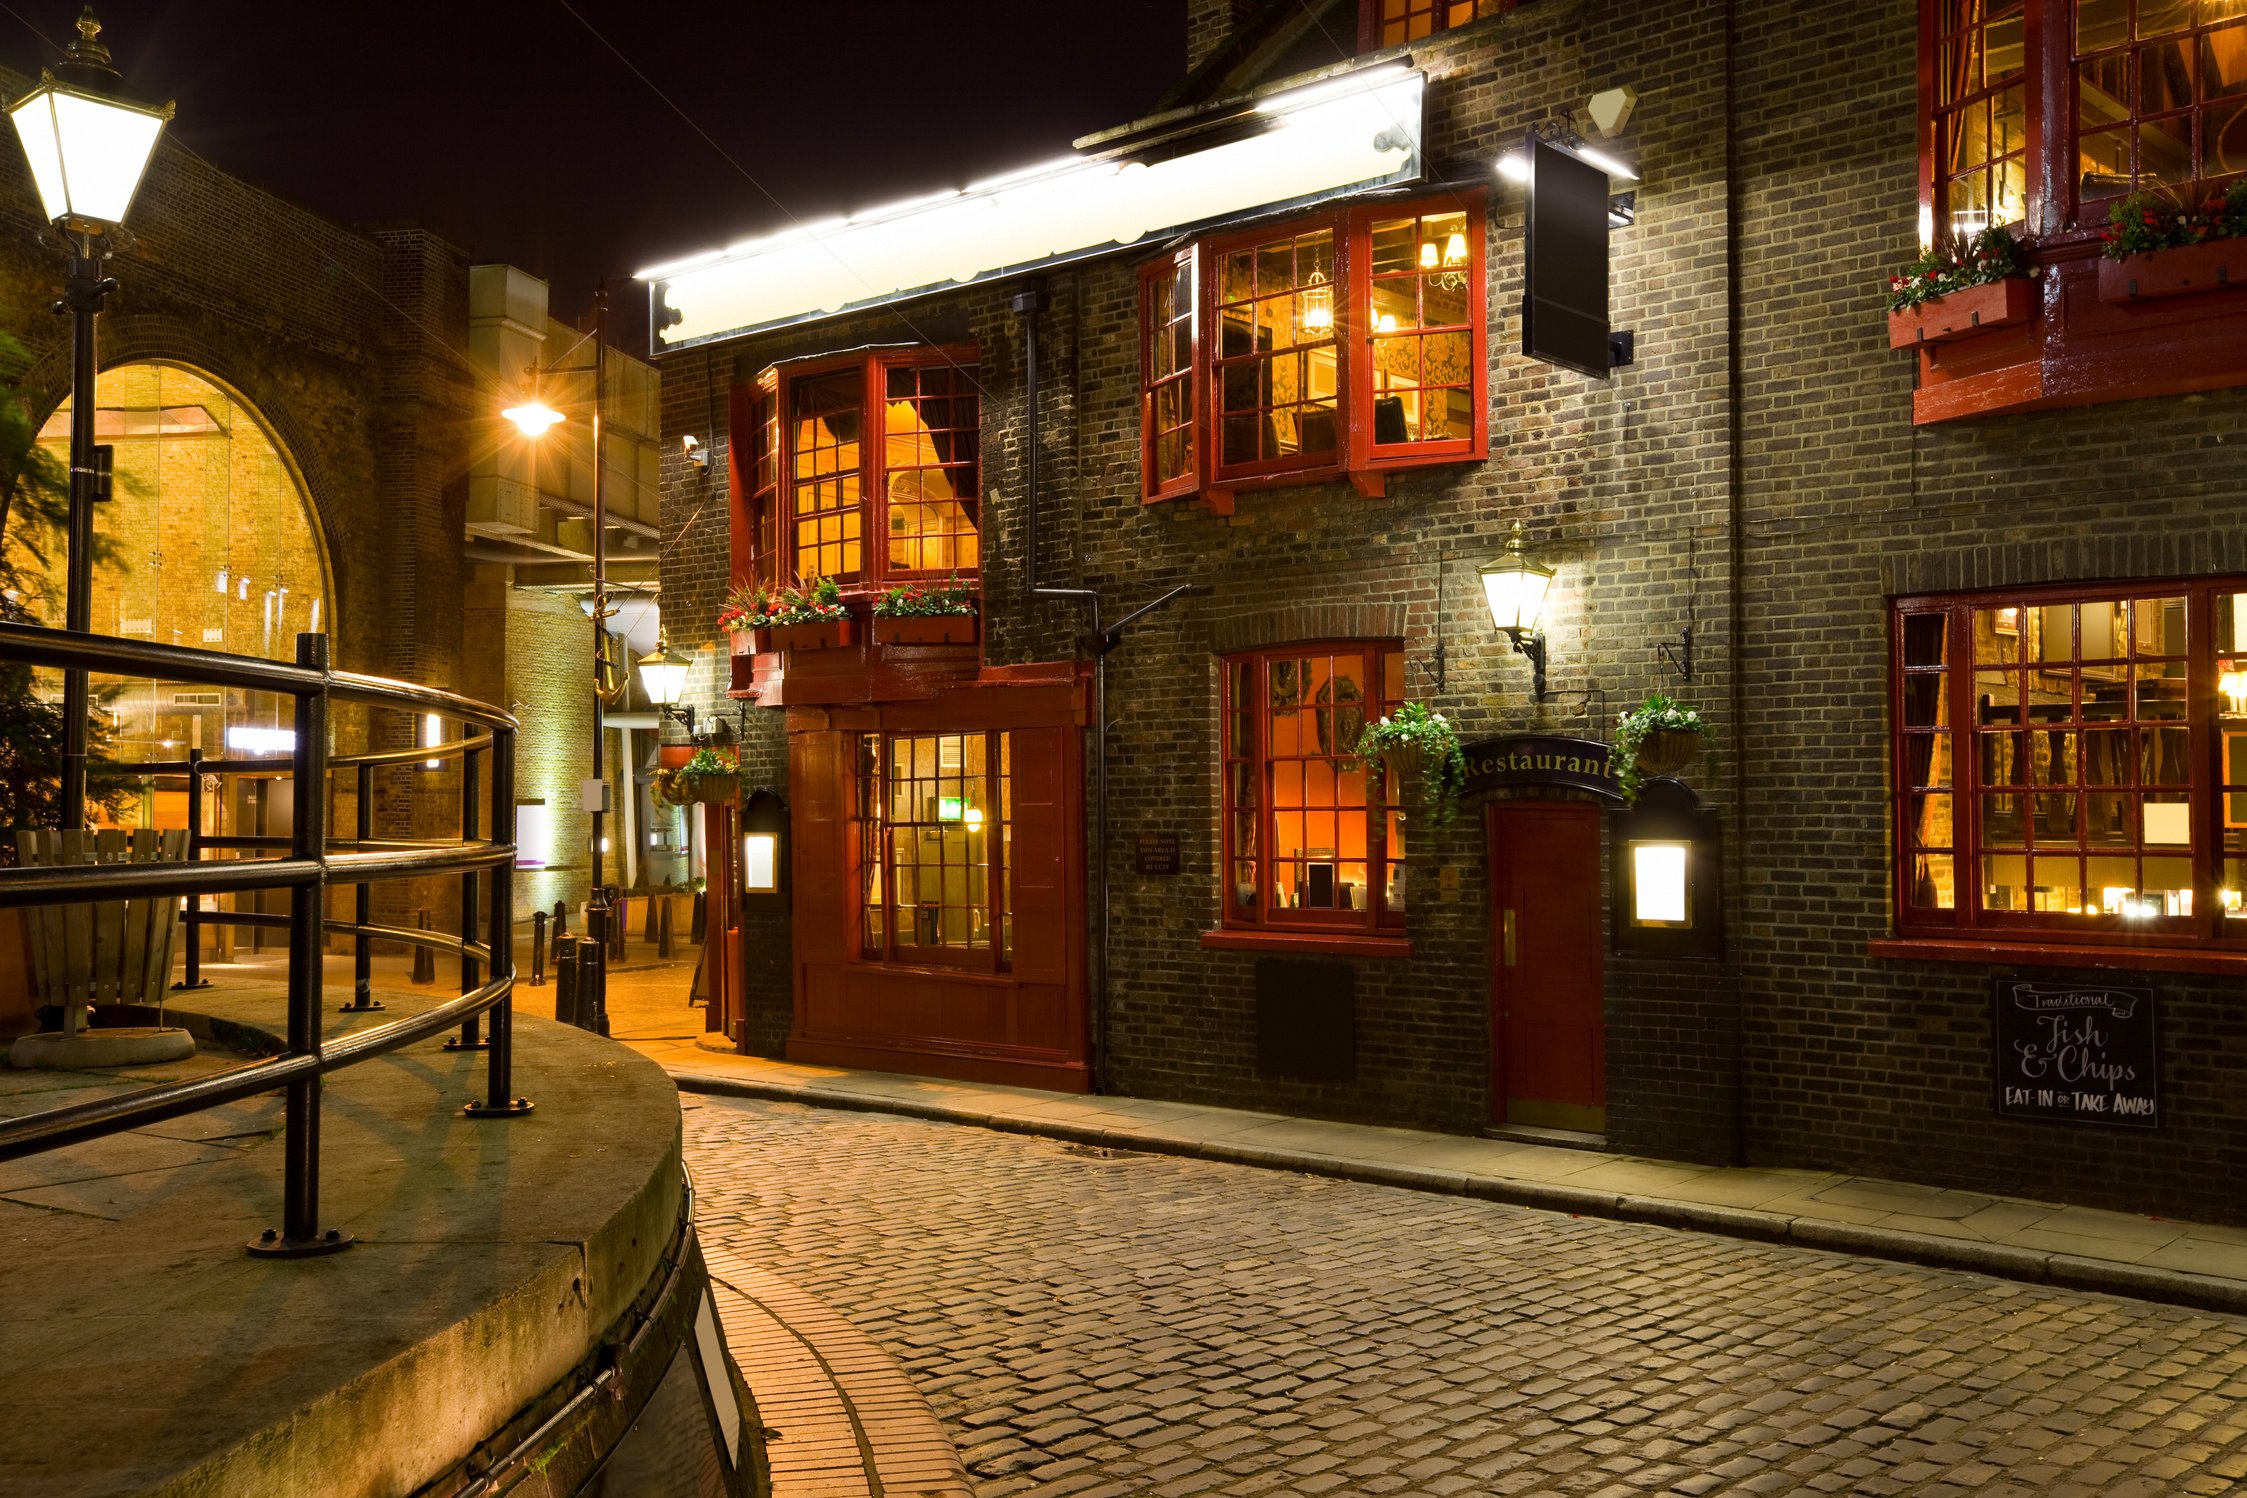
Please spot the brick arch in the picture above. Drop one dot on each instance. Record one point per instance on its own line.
(150, 338)
(1306, 621)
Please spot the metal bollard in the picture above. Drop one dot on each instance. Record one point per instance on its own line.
(701, 915)
(425, 958)
(647, 917)
(618, 911)
(565, 980)
(592, 991)
(538, 949)
(662, 914)
(561, 929)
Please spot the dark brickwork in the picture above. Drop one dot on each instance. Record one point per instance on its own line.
(1754, 474)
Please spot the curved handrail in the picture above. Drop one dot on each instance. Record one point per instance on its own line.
(311, 863)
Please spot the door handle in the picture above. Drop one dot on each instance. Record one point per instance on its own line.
(1506, 924)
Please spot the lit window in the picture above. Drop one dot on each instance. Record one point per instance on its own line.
(1385, 23)
(936, 831)
(1303, 845)
(1981, 114)
(2161, 93)
(1345, 344)
(810, 490)
(2045, 769)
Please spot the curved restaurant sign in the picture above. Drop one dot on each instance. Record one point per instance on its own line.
(1541, 762)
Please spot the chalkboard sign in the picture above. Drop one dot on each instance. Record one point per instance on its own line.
(1156, 853)
(2079, 1052)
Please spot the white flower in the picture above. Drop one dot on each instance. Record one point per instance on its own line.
(1384, 722)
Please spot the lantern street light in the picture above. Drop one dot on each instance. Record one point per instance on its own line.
(88, 147)
(663, 676)
(535, 418)
(1515, 587)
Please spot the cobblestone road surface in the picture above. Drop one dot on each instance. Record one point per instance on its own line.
(1137, 1324)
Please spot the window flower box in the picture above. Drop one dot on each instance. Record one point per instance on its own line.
(926, 629)
(1976, 309)
(822, 634)
(743, 641)
(2178, 272)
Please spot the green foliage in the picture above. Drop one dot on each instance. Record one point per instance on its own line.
(926, 601)
(1658, 712)
(1954, 265)
(1443, 765)
(2160, 220)
(34, 520)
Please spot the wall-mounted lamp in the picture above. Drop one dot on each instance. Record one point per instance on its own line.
(533, 417)
(690, 447)
(1515, 587)
(663, 676)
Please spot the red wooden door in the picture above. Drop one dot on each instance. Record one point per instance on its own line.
(721, 927)
(1547, 1029)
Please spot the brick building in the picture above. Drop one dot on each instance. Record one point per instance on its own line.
(1280, 364)
(305, 416)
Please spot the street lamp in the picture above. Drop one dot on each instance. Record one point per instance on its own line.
(1515, 587)
(535, 418)
(663, 676)
(88, 147)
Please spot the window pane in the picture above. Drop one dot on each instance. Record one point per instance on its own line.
(930, 459)
(2101, 23)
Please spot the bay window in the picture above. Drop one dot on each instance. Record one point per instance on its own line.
(2071, 765)
(2043, 111)
(1341, 345)
(1314, 837)
(863, 468)
(936, 829)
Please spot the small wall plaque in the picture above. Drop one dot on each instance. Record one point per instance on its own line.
(1156, 853)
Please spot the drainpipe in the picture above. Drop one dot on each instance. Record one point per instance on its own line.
(1027, 304)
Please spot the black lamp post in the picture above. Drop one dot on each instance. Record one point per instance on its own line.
(88, 147)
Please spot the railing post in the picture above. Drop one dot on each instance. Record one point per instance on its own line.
(470, 1036)
(499, 1100)
(193, 916)
(300, 1234)
(362, 948)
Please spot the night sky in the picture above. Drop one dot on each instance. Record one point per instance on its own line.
(512, 125)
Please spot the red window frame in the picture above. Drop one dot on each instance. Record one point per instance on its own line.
(2052, 99)
(1392, 23)
(1161, 340)
(2006, 799)
(1246, 758)
(878, 832)
(771, 552)
(1358, 454)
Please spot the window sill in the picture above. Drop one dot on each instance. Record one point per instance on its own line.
(2056, 954)
(1309, 943)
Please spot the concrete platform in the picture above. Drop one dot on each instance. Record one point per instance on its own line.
(142, 1351)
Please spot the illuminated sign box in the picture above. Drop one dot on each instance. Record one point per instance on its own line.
(1335, 136)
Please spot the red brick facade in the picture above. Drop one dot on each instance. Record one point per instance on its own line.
(1754, 474)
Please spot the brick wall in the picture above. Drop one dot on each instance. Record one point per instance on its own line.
(1754, 475)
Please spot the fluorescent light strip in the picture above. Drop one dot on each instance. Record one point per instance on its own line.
(1337, 135)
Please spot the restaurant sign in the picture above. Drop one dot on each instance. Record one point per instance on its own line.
(2079, 1052)
(1537, 761)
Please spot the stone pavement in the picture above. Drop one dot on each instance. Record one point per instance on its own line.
(2037, 1242)
(1092, 1323)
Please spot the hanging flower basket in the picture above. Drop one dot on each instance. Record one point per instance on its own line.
(1661, 736)
(1665, 751)
(1403, 760)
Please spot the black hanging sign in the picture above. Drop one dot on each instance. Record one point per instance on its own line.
(1537, 760)
(2083, 1053)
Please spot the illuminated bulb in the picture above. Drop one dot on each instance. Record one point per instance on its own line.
(1386, 323)
(1427, 254)
(975, 816)
(1318, 305)
(1514, 167)
(533, 416)
(1455, 248)
(2233, 685)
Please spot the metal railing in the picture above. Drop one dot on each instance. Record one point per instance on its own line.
(310, 862)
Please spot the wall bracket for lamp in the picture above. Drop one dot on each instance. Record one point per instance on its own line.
(1679, 655)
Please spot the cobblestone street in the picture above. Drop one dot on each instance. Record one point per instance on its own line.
(1087, 1323)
